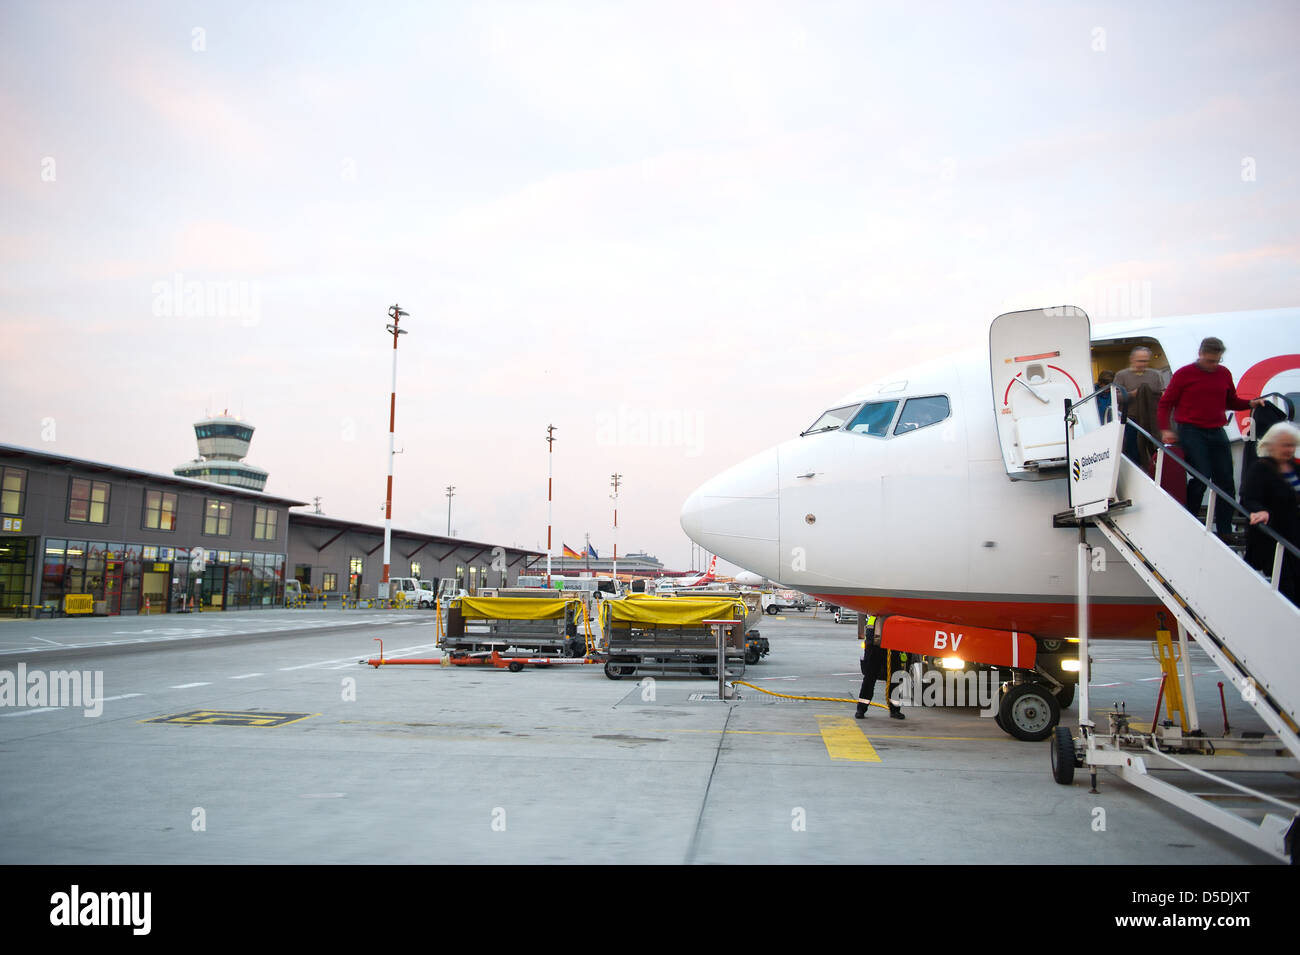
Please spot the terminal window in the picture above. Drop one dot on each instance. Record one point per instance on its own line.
(87, 501)
(331, 583)
(216, 517)
(264, 521)
(160, 510)
(13, 491)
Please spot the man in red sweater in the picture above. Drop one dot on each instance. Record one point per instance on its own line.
(1197, 397)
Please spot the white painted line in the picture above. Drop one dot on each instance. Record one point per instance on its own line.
(1150, 679)
(319, 663)
(39, 709)
(1105, 684)
(124, 696)
(245, 676)
(778, 678)
(374, 651)
(186, 686)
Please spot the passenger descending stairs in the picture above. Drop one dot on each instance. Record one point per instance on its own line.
(1249, 630)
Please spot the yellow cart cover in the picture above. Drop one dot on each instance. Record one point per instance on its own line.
(670, 611)
(512, 608)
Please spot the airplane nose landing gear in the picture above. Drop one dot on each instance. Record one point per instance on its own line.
(1028, 711)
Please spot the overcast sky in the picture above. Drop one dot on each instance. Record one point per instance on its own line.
(676, 231)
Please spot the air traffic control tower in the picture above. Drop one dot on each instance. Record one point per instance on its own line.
(223, 442)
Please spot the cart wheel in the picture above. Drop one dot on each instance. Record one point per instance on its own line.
(707, 671)
(752, 654)
(1063, 756)
(514, 666)
(1029, 711)
(772, 608)
(614, 671)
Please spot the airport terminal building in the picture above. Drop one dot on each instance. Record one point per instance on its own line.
(124, 537)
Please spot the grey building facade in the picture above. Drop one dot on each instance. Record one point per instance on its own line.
(332, 556)
(121, 540)
(124, 537)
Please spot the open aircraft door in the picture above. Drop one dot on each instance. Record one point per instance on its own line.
(1038, 358)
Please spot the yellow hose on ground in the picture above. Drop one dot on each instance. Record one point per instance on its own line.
(788, 696)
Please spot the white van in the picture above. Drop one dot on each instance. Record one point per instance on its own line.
(410, 591)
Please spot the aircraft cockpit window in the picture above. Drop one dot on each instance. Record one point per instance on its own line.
(921, 413)
(832, 420)
(874, 418)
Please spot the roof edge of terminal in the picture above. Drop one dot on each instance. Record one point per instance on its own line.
(15, 450)
(324, 520)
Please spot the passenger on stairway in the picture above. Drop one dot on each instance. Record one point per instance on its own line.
(1196, 399)
(1270, 490)
(1104, 380)
(1140, 389)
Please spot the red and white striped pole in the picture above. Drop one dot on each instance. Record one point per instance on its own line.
(395, 313)
(615, 480)
(550, 452)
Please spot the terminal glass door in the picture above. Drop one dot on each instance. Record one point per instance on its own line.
(156, 588)
(113, 587)
(16, 558)
(214, 587)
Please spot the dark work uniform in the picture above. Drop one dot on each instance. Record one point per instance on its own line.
(876, 659)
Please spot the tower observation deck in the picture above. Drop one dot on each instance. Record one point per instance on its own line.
(223, 442)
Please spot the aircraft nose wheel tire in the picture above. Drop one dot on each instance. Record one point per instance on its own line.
(1065, 695)
(1063, 756)
(1029, 711)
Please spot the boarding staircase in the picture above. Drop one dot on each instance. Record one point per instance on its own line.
(1249, 630)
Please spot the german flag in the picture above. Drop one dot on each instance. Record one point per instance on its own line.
(570, 552)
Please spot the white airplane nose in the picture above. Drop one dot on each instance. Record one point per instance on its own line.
(735, 514)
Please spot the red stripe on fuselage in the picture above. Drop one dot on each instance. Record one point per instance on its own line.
(1052, 620)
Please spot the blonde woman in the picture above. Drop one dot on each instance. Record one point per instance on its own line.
(1270, 491)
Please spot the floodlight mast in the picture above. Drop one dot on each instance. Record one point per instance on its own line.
(396, 313)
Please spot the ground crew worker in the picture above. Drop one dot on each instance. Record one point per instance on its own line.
(876, 658)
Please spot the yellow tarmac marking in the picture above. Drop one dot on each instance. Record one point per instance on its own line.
(844, 740)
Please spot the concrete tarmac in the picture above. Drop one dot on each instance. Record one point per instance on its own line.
(459, 764)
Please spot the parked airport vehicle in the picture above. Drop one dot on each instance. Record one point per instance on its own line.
(535, 621)
(779, 600)
(410, 591)
(757, 646)
(658, 634)
(604, 586)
